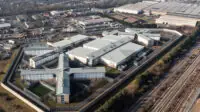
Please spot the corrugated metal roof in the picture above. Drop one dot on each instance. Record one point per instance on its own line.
(122, 52)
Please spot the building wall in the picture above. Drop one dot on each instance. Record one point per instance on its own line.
(81, 59)
(66, 98)
(34, 63)
(89, 75)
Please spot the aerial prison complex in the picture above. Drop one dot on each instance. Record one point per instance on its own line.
(89, 52)
(172, 13)
(100, 50)
(63, 73)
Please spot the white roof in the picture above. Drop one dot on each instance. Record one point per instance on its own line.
(81, 52)
(95, 21)
(3, 25)
(112, 38)
(137, 6)
(109, 47)
(70, 40)
(122, 52)
(88, 70)
(97, 44)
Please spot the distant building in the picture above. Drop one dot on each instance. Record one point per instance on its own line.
(176, 20)
(69, 41)
(5, 25)
(96, 25)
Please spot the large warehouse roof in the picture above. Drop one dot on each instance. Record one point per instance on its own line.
(81, 52)
(112, 38)
(134, 8)
(183, 9)
(109, 47)
(70, 40)
(97, 44)
(178, 21)
(4, 25)
(122, 52)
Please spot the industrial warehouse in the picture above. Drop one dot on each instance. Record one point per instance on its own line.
(171, 12)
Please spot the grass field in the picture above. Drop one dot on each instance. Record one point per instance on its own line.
(39, 90)
(8, 102)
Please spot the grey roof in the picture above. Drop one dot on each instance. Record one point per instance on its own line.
(181, 9)
(80, 51)
(122, 52)
(63, 83)
(70, 40)
(63, 62)
(37, 71)
(94, 21)
(97, 44)
(37, 58)
(88, 70)
(3, 25)
(109, 47)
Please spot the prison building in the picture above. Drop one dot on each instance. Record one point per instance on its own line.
(94, 57)
(69, 41)
(36, 49)
(140, 37)
(41, 59)
(122, 54)
(80, 54)
(88, 72)
(63, 62)
(37, 74)
(102, 42)
(63, 87)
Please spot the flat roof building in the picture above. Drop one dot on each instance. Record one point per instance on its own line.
(88, 72)
(37, 49)
(41, 59)
(177, 20)
(80, 54)
(70, 41)
(136, 8)
(121, 54)
(5, 25)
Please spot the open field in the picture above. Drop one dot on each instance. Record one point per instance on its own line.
(8, 102)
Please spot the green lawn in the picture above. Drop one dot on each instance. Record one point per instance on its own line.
(39, 90)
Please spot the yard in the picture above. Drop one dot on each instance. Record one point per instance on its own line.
(39, 90)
